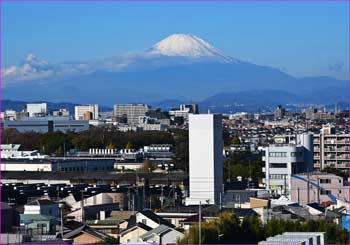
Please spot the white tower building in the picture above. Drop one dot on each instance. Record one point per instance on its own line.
(205, 152)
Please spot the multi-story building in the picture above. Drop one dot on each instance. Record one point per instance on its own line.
(184, 111)
(47, 124)
(205, 155)
(316, 114)
(331, 149)
(319, 188)
(60, 113)
(82, 111)
(284, 159)
(279, 112)
(132, 112)
(36, 110)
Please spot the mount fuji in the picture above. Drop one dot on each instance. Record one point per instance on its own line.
(181, 67)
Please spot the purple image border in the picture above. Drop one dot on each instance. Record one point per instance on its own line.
(154, 1)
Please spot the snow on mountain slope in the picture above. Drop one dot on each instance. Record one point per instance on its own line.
(189, 46)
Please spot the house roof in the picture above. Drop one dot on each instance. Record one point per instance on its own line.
(131, 228)
(157, 219)
(85, 229)
(105, 222)
(192, 219)
(40, 202)
(125, 215)
(162, 229)
(36, 217)
(316, 206)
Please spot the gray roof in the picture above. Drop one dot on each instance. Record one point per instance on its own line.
(162, 229)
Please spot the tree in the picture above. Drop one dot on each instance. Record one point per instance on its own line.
(128, 146)
(236, 140)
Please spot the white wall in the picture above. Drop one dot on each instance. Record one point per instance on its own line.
(205, 154)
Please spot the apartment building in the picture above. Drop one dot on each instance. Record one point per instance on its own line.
(132, 112)
(331, 149)
(86, 112)
(284, 159)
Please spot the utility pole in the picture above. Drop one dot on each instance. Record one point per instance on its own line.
(161, 198)
(200, 223)
(308, 187)
(62, 222)
(82, 207)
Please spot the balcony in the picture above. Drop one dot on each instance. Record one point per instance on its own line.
(343, 149)
(328, 149)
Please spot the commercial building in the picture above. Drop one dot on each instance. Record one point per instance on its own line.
(132, 112)
(331, 149)
(205, 155)
(319, 188)
(36, 110)
(284, 159)
(317, 114)
(47, 124)
(86, 112)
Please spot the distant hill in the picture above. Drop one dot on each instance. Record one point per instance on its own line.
(181, 67)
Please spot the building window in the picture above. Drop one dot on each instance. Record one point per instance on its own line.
(278, 176)
(277, 154)
(325, 192)
(325, 181)
(144, 221)
(296, 154)
(278, 165)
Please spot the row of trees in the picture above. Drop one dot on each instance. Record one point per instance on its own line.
(228, 229)
(56, 142)
(245, 164)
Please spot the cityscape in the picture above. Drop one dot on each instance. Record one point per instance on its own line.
(181, 143)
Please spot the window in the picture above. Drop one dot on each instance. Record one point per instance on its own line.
(278, 176)
(325, 181)
(325, 192)
(296, 154)
(144, 221)
(277, 154)
(278, 165)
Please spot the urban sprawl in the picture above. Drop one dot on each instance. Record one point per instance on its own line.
(140, 175)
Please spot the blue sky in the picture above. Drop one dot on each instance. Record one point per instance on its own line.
(300, 38)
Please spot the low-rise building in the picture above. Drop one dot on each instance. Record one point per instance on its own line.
(47, 124)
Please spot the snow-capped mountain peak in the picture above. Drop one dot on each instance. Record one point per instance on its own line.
(187, 45)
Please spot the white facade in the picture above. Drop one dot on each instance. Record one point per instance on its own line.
(205, 153)
(80, 110)
(35, 109)
(284, 160)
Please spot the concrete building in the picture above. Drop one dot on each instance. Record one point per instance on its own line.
(36, 110)
(297, 238)
(282, 160)
(132, 112)
(81, 112)
(184, 111)
(317, 114)
(60, 113)
(205, 153)
(319, 188)
(331, 149)
(47, 124)
(43, 207)
(279, 112)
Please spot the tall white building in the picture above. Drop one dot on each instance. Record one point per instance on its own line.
(81, 111)
(37, 109)
(205, 152)
(282, 160)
